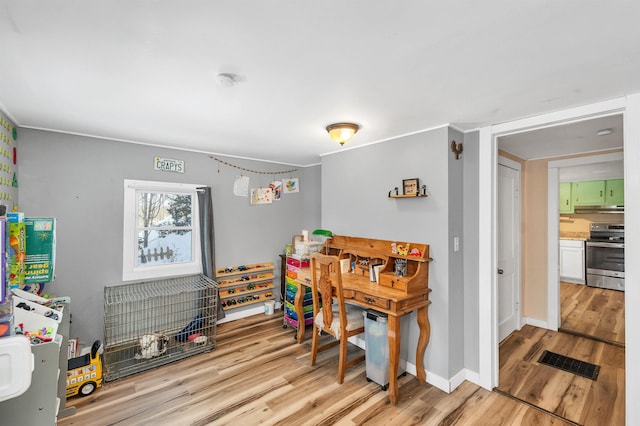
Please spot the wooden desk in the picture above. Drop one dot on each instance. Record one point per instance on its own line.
(395, 302)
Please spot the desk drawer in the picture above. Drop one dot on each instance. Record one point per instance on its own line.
(393, 281)
(373, 301)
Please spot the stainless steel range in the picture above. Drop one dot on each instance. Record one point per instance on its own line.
(605, 256)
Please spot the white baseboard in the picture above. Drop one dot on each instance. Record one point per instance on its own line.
(258, 309)
(534, 322)
(231, 316)
(451, 384)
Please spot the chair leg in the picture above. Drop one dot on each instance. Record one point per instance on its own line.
(314, 345)
(343, 358)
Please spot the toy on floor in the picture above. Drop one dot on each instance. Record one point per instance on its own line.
(84, 373)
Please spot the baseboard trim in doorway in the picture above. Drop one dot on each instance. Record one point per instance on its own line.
(586, 336)
(542, 410)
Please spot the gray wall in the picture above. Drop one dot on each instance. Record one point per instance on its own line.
(355, 184)
(470, 245)
(456, 272)
(79, 180)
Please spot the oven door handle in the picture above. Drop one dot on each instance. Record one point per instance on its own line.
(612, 245)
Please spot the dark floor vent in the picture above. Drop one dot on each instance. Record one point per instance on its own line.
(572, 365)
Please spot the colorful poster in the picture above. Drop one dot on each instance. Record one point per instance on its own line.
(41, 250)
(261, 196)
(276, 187)
(4, 289)
(290, 185)
(17, 249)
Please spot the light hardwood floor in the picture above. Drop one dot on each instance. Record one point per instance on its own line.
(259, 375)
(578, 399)
(594, 321)
(594, 312)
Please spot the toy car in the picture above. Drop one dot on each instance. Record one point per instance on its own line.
(84, 373)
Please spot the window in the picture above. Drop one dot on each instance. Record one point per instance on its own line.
(160, 233)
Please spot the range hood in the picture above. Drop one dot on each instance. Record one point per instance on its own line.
(598, 209)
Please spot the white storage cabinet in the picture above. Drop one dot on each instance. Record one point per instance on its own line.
(572, 268)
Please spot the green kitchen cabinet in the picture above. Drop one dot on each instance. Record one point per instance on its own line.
(614, 192)
(588, 193)
(566, 202)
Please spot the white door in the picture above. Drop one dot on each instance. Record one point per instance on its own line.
(508, 248)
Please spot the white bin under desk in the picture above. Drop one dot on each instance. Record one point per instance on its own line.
(377, 348)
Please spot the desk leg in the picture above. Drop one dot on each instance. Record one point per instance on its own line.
(423, 340)
(394, 356)
(297, 303)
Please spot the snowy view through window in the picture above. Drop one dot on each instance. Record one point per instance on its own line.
(164, 228)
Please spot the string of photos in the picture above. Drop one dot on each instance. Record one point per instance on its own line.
(262, 194)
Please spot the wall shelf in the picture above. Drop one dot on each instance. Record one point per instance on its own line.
(408, 196)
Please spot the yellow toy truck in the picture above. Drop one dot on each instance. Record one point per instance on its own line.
(84, 373)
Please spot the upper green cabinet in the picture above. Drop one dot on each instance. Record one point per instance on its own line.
(614, 192)
(566, 202)
(591, 193)
(588, 193)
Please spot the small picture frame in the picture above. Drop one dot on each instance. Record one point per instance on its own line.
(410, 186)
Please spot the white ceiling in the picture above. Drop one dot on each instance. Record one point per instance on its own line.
(566, 139)
(145, 71)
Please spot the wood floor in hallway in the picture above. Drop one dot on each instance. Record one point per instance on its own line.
(580, 400)
(590, 311)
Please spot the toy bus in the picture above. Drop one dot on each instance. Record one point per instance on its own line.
(84, 373)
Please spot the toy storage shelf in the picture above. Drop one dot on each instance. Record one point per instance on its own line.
(45, 400)
(245, 284)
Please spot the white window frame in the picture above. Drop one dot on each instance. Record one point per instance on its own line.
(130, 238)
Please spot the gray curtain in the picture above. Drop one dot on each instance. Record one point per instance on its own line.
(205, 207)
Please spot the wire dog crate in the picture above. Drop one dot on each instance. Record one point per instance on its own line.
(148, 324)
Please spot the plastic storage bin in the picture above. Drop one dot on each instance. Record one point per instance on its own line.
(377, 348)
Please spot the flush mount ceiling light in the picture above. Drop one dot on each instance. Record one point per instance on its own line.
(225, 80)
(604, 132)
(342, 132)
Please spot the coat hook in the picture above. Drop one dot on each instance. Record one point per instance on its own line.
(456, 148)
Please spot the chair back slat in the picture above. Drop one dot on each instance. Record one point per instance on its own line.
(327, 281)
(325, 288)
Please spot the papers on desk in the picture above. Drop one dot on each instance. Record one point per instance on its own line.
(345, 264)
(374, 273)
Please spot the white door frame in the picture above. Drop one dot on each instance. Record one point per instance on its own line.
(487, 267)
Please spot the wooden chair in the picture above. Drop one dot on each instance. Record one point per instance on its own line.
(337, 319)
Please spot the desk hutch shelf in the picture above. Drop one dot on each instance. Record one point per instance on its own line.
(245, 284)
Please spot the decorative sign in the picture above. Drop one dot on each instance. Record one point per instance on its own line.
(168, 165)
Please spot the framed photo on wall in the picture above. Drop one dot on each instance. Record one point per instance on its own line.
(410, 186)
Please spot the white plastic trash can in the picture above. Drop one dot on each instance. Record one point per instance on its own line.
(269, 307)
(377, 348)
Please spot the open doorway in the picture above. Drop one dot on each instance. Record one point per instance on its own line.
(589, 303)
(549, 157)
(520, 374)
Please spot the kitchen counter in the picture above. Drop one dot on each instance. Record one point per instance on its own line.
(582, 236)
